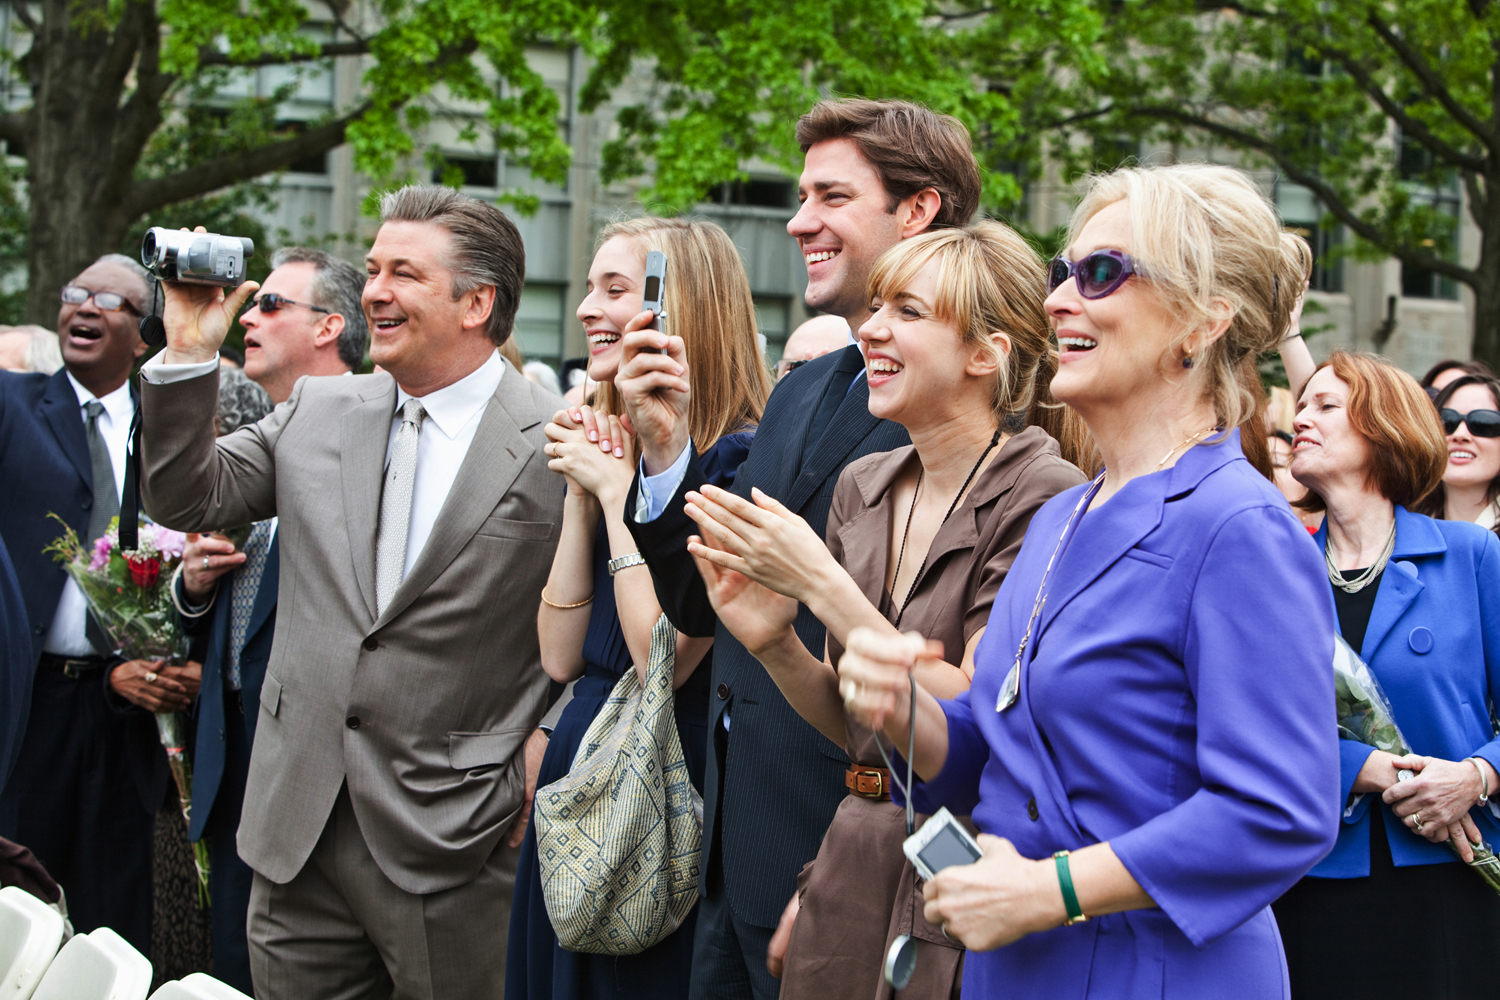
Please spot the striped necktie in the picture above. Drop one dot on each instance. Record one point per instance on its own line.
(242, 596)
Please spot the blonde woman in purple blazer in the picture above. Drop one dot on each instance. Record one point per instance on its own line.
(1148, 746)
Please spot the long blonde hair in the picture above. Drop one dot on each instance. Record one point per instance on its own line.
(709, 306)
(989, 280)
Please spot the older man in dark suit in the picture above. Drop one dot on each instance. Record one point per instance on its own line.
(877, 172)
(88, 779)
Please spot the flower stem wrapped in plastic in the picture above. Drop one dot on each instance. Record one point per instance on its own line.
(1365, 716)
(127, 592)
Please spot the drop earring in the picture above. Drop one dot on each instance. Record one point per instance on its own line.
(1187, 362)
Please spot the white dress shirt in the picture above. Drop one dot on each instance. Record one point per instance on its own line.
(67, 636)
(453, 415)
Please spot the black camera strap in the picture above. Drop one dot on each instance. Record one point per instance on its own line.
(154, 333)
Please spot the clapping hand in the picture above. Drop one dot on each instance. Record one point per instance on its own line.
(653, 385)
(757, 616)
(603, 469)
(764, 540)
(198, 317)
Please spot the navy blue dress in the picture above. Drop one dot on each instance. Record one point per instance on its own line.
(536, 966)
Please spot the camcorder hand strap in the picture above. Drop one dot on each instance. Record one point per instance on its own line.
(154, 333)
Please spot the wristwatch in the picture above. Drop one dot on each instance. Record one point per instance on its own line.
(625, 562)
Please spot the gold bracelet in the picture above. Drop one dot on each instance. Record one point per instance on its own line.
(565, 607)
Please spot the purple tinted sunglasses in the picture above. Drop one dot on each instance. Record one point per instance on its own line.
(1099, 274)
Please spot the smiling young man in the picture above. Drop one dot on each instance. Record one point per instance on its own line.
(419, 519)
(85, 789)
(876, 172)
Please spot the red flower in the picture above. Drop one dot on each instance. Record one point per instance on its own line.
(144, 571)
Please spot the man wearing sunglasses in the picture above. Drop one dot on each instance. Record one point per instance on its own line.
(306, 319)
(88, 778)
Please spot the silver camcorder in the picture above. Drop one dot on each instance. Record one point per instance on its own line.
(196, 258)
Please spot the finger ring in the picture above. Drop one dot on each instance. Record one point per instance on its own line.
(944, 928)
(1416, 821)
(205, 562)
(150, 677)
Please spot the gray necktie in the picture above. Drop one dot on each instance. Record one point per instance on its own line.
(106, 505)
(242, 594)
(395, 505)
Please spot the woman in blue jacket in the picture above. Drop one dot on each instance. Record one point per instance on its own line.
(1390, 912)
(1148, 745)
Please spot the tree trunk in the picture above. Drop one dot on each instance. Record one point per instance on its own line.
(1486, 345)
(76, 175)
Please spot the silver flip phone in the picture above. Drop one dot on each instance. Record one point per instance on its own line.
(655, 295)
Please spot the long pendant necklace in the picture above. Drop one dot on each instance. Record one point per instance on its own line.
(901, 553)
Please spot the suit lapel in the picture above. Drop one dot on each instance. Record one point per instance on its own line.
(852, 423)
(1415, 536)
(496, 456)
(363, 435)
(59, 407)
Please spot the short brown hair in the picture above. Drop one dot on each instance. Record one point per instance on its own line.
(709, 305)
(1408, 451)
(910, 147)
(487, 247)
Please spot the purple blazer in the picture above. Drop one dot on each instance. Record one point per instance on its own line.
(1179, 706)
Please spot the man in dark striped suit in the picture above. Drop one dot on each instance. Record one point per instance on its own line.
(876, 172)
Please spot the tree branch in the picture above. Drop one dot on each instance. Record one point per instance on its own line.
(24, 16)
(122, 53)
(1432, 83)
(147, 195)
(208, 56)
(1478, 199)
(338, 19)
(1326, 194)
(1410, 127)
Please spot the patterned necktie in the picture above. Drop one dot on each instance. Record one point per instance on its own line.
(395, 505)
(242, 595)
(106, 505)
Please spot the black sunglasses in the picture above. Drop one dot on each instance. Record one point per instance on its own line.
(271, 302)
(1098, 274)
(1481, 423)
(76, 295)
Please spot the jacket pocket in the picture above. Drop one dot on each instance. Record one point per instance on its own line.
(270, 694)
(467, 750)
(1154, 558)
(528, 531)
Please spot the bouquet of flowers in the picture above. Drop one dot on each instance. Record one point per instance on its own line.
(1365, 716)
(128, 595)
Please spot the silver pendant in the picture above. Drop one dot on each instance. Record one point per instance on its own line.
(1010, 688)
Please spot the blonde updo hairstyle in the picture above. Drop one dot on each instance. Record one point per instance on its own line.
(1210, 245)
(990, 280)
(708, 305)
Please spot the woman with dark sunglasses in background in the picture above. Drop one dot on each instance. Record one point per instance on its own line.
(1470, 410)
(1140, 698)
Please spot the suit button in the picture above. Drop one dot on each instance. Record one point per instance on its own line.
(371, 644)
(1031, 810)
(723, 692)
(88, 503)
(39, 630)
(352, 722)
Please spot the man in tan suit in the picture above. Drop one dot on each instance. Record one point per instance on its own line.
(417, 524)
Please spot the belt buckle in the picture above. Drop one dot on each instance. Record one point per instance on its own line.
(879, 792)
(74, 668)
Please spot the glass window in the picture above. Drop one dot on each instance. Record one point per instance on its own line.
(1302, 213)
(539, 323)
(771, 320)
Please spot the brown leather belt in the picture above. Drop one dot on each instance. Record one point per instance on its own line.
(868, 782)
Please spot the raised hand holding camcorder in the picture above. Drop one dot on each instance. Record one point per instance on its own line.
(201, 276)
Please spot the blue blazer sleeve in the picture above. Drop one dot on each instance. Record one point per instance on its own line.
(956, 786)
(1489, 613)
(1257, 652)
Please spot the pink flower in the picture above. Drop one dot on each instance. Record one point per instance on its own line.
(170, 543)
(102, 548)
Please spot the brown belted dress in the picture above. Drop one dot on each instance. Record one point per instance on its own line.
(860, 891)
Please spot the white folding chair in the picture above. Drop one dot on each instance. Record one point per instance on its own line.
(30, 932)
(197, 987)
(99, 965)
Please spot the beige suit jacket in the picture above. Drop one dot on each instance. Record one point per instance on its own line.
(424, 709)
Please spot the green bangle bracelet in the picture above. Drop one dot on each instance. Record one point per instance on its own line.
(1070, 898)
